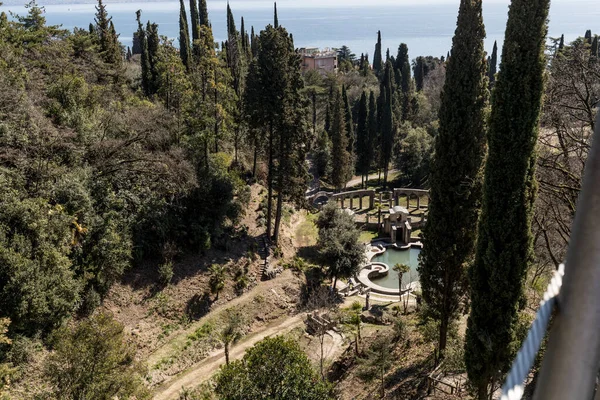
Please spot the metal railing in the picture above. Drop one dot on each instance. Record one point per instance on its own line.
(572, 360)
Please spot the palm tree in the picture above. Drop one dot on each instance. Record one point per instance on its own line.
(217, 279)
(231, 332)
(401, 269)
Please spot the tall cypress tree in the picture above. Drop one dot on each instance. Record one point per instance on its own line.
(339, 153)
(505, 244)
(492, 70)
(420, 73)
(275, 18)
(595, 46)
(234, 54)
(185, 50)
(253, 42)
(195, 20)
(203, 14)
(561, 44)
(387, 121)
(153, 40)
(456, 173)
(145, 57)
(403, 67)
(377, 58)
(373, 129)
(362, 139)
(588, 37)
(348, 119)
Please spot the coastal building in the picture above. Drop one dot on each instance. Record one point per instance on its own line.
(314, 59)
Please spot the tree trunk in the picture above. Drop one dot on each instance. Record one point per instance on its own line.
(482, 391)
(255, 158)
(216, 114)
(236, 143)
(322, 343)
(206, 153)
(443, 337)
(278, 212)
(226, 353)
(334, 282)
(270, 183)
(282, 170)
(400, 286)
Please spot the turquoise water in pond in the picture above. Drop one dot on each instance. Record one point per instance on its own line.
(392, 257)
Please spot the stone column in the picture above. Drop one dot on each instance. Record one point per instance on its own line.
(407, 201)
(360, 198)
(351, 202)
(372, 200)
(419, 203)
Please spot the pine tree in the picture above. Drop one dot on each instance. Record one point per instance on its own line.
(185, 51)
(195, 20)
(377, 59)
(505, 244)
(274, 106)
(362, 139)
(349, 121)
(595, 46)
(203, 14)
(339, 138)
(108, 38)
(275, 18)
(115, 52)
(456, 173)
(145, 58)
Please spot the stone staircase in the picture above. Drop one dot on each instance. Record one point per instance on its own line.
(264, 251)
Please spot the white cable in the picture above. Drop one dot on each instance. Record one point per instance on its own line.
(514, 386)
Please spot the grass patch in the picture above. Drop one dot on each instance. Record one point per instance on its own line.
(307, 233)
(367, 236)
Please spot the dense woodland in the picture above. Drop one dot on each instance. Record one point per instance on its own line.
(114, 157)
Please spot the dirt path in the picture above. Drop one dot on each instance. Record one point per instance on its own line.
(180, 338)
(207, 367)
(357, 181)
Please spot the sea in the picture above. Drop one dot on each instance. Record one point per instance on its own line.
(426, 26)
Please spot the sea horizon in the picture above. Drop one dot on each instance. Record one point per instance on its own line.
(426, 26)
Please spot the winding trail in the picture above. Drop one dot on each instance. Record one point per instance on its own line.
(205, 369)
